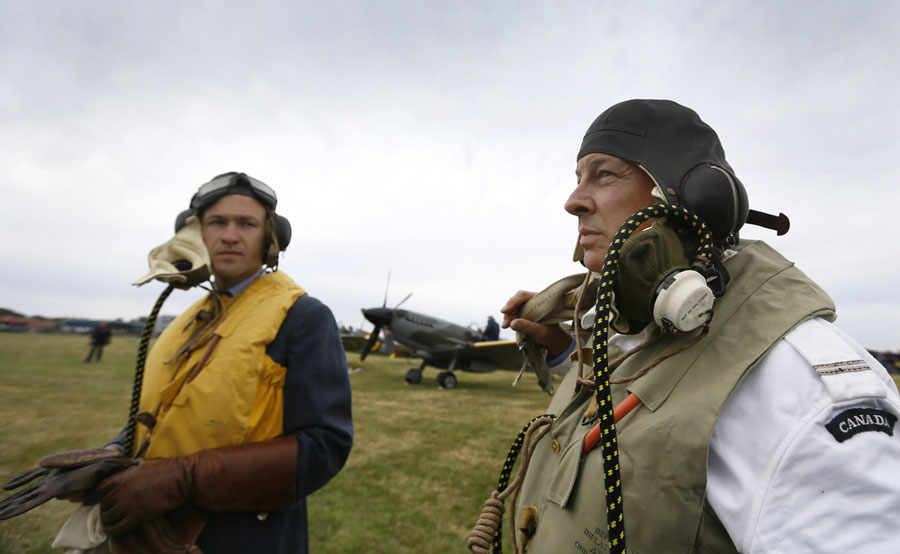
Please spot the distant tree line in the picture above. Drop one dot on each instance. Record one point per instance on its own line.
(890, 360)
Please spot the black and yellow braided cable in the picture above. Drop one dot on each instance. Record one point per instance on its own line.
(506, 472)
(609, 447)
(139, 370)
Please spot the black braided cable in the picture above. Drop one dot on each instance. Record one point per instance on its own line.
(506, 472)
(139, 369)
(615, 515)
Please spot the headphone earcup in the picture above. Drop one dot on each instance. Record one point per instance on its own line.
(717, 197)
(282, 231)
(181, 220)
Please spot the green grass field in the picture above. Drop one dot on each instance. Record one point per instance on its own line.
(423, 462)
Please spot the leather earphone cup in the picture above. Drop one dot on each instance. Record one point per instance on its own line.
(282, 231)
(717, 197)
(181, 219)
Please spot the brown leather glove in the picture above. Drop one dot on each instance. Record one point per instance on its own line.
(174, 532)
(67, 475)
(241, 478)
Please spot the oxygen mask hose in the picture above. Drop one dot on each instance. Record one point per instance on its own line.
(609, 447)
(139, 369)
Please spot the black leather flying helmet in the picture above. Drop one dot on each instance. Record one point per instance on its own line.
(683, 155)
(241, 183)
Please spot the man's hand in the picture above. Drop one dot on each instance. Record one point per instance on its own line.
(250, 477)
(551, 337)
(142, 492)
(78, 496)
(67, 475)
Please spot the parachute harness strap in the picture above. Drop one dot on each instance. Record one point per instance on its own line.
(486, 532)
(205, 322)
(139, 368)
(609, 447)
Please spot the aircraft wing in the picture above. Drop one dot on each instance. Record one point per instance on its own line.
(489, 355)
(354, 343)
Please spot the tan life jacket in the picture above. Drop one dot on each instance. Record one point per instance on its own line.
(664, 443)
(237, 396)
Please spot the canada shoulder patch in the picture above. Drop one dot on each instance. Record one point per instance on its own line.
(854, 421)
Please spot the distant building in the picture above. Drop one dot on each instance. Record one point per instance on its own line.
(16, 324)
(85, 326)
(162, 322)
(78, 326)
(124, 328)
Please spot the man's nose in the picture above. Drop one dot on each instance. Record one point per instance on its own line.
(230, 234)
(579, 202)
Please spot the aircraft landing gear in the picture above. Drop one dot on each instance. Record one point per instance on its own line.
(447, 380)
(414, 376)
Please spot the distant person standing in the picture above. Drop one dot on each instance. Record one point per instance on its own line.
(99, 339)
(491, 330)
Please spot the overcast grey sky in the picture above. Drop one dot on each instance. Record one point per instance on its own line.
(436, 140)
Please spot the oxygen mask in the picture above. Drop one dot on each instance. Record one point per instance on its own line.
(182, 261)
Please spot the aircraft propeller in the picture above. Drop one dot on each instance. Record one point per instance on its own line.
(402, 301)
(370, 344)
(379, 317)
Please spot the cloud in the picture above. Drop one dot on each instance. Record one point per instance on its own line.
(434, 140)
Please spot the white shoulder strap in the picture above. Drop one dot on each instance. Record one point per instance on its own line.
(845, 374)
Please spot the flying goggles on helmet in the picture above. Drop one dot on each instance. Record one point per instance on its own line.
(233, 183)
(184, 259)
(241, 183)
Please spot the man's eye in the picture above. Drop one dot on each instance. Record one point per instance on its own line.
(249, 224)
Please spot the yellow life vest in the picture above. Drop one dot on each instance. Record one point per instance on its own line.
(237, 396)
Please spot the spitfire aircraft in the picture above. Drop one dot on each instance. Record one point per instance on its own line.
(440, 344)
